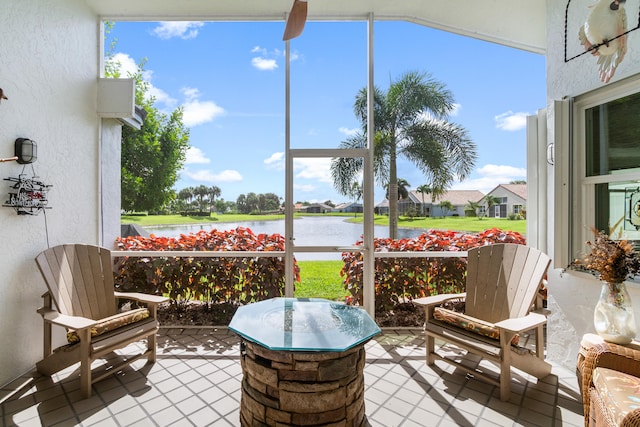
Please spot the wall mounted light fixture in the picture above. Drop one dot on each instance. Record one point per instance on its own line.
(26, 151)
(28, 196)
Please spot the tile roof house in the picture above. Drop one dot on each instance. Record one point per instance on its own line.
(349, 207)
(427, 205)
(512, 201)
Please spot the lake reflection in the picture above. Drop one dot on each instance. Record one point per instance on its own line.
(308, 231)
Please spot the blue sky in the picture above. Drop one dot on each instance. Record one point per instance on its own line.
(230, 76)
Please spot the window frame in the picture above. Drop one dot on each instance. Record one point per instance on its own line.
(583, 203)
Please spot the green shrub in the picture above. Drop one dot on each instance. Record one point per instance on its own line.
(236, 280)
(401, 279)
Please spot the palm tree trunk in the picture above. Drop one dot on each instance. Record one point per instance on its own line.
(393, 194)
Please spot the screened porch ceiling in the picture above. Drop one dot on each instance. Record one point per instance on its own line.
(515, 23)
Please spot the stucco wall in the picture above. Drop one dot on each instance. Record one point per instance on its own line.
(49, 68)
(572, 296)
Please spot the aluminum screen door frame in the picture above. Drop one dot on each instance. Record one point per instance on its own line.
(368, 184)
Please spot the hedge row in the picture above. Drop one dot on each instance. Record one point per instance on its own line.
(247, 279)
(213, 280)
(398, 280)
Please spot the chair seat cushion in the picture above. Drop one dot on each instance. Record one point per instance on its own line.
(111, 323)
(619, 392)
(469, 323)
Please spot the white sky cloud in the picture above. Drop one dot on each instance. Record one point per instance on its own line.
(183, 29)
(347, 131)
(264, 63)
(196, 156)
(511, 121)
(305, 188)
(197, 112)
(491, 176)
(455, 110)
(313, 168)
(211, 177)
(126, 65)
(266, 60)
(276, 161)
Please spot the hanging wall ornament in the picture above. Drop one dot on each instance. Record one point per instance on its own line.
(604, 35)
(28, 196)
(602, 32)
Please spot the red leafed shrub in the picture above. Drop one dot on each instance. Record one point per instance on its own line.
(400, 279)
(236, 280)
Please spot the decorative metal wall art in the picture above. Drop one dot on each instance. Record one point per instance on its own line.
(29, 195)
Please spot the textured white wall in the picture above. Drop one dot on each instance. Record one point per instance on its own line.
(573, 295)
(48, 70)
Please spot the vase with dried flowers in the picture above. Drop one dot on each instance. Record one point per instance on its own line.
(613, 261)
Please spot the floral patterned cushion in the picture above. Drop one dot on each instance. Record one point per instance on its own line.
(620, 392)
(112, 323)
(470, 323)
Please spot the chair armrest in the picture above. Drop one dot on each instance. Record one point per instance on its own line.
(437, 299)
(70, 322)
(145, 298)
(521, 324)
(612, 356)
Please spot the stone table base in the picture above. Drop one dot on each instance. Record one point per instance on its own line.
(293, 388)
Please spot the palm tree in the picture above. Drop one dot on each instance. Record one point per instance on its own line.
(185, 196)
(410, 122)
(446, 206)
(472, 206)
(200, 192)
(490, 201)
(403, 189)
(423, 189)
(214, 191)
(356, 193)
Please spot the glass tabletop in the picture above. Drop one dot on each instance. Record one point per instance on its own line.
(303, 324)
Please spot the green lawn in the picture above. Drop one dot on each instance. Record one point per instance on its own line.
(456, 223)
(320, 279)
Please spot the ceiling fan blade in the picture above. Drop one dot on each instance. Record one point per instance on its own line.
(296, 20)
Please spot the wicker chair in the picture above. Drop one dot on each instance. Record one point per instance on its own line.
(609, 378)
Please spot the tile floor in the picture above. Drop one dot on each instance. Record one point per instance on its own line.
(196, 382)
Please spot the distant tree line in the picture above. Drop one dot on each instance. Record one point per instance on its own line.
(199, 199)
(258, 203)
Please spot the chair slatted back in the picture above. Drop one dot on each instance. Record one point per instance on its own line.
(503, 280)
(80, 280)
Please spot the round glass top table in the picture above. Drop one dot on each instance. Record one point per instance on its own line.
(303, 324)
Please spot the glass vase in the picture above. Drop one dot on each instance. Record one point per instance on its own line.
(613, 316)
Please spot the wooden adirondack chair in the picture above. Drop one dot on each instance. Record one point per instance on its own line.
(502, 284)
(80, 283)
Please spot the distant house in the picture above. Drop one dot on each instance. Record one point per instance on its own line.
(350, 207)
(512, 200)
(428, 206)
(318, 208)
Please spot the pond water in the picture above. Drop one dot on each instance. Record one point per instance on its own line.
(308, 231)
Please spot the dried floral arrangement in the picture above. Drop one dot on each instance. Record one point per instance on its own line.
(613, 261)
